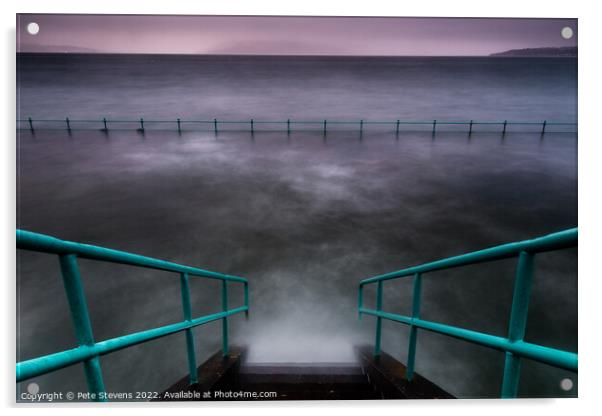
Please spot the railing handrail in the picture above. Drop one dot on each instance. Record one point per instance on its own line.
(513, 345)
(52, 362)
(550, 242)
(28, 240)
(89, 351)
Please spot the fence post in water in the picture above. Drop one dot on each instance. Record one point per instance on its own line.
(252, 128)
(68, 124)
(225, 318)
(288, 126)
(324, 126)
(543, 127)
(397, 127)
(104, 123)
(434, 125)
(30, 124)
(81, 321)
(413, 330)
(141, 124)
(361, 126)
(179, 128)
(215, 125)
(187, 309)
(518, 322)
(470, 128)
(379, 320)
(505, 124)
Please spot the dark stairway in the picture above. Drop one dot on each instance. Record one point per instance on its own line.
(324, 381)
(370, 378)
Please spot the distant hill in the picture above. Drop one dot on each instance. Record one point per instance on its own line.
(567, 51)
(27, 48)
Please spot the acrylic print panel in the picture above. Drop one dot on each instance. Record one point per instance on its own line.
(207, 204)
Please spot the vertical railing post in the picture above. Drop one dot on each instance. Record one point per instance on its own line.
(434, 125)
(397, 127)
(78, 309)
(416, 295)
(225, 318)
(543, 126)
(361, 126)
(179, 127)
(505, 124)
(379, 320)
(324, 126)
(30, 124)
(360, 301)
(68, 124)
(252, 128)
(215, 125)
(288, 126)
(187, 310)
(246, 298)
(470, 128)
(518, 322)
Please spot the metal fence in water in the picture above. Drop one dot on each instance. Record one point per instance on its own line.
(513, 345)
(88, 350)
(252, 125)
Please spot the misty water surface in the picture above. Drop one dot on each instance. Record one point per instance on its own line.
(304, 216)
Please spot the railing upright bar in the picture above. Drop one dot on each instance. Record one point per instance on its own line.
(518, 322)
(225, 319)
(379, 321)
(187, 310)
(416, 295)
(81, 320)
(246, 298)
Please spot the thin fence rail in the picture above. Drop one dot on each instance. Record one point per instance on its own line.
(88, 350)
(513, 345)
(251, 125)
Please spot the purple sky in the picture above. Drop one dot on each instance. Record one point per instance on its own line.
(287, 35)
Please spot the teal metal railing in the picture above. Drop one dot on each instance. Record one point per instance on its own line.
(513, 345)
(253, 125)
(88, 350)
